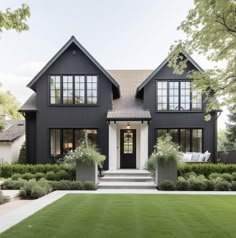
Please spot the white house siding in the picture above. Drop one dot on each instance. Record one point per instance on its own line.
(9, 151)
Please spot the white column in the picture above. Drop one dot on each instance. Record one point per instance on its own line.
(143, 145)
(112, 147)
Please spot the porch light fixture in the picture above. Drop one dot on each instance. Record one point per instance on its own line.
(128, 126)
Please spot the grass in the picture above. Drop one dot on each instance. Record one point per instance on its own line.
(121, 216)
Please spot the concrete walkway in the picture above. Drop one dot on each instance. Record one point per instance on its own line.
(12, 218)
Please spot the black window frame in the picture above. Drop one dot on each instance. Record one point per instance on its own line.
(73, 80)
(62, 139)
(180, 109)
(179, 136)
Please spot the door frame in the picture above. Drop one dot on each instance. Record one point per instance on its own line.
(122, 131)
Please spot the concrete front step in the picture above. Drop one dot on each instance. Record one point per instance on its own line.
(126, 173)
(126, 185)
(109, 178)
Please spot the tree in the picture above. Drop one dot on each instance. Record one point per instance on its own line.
(210, 29)
(230, 133)
(9, 105)
(22, 156)
(16, 19)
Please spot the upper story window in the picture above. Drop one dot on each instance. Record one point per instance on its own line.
(177, 96)
(73, 89)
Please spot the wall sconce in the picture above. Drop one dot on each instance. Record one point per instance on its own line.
(128, 126)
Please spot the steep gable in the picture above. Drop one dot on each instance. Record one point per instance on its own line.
(73, 41)
(160, 68)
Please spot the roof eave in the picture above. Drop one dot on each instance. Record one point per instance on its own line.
(143, 84)
(59, 53)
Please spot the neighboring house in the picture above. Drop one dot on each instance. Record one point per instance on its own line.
(11, 140)
(122, 111)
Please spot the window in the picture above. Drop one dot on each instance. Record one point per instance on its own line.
(55, 139)
(128, 142)
(55, 89)
(177, 96)
(185, 89)
(190, 140)
(64, 140)
(67, 89)
(76, 89)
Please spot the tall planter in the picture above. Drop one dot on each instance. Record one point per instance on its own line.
(85, 172)
(166, 171)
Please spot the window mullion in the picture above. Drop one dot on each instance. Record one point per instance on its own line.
(85, 88)
(168, 101)
(61, 89)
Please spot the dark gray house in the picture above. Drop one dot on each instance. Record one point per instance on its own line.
(122, 111)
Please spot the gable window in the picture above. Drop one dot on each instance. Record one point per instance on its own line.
(189, 140)
(73, 89)
(55, 89)
(177, 96)
(64, 140)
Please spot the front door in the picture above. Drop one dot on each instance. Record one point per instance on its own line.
(128, 149)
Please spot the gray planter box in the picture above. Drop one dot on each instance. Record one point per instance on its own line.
(166, 171)
(86, 173)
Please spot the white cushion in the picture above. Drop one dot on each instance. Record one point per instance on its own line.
(187, 157)
(207, 156)
(195, 157)
(202, 157)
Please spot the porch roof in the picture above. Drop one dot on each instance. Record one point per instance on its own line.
(132, 115)
(128, 106)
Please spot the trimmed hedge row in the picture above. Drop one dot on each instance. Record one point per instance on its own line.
(54, 185)
(3, 199)
(201, 183)
(207, 169)
(7, 171)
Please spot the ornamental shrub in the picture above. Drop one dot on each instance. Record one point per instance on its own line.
(167, 185)
(62, 175)
(181, 184)
(34, 189)
(16, 176)
(233, 186)
(226, 177)
(3, 199)
(222, 185)
(7, 170)
(165, 151)
(27, 176)
(87, 154)
(13, 184)
(213, 176)
(88, 185)
(234, 176)
(39, 175)
(196, 184)
(207, 168)
(51, 176)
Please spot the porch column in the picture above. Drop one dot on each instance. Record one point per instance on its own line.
(112, 147)
(143, 145)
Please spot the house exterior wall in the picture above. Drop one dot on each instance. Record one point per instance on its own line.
(178, 119)
(64, 116)
(9, 151)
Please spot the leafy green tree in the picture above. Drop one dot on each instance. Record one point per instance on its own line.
(9, 105)
(230, 133)
(221, 140)
(210, 29)
(15, 19)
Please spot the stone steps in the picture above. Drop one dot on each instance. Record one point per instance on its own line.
(126, 179)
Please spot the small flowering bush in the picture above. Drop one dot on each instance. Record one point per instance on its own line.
(164, 151)
(87, 154)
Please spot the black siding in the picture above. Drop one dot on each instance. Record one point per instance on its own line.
(177, 119)
(30, 129)
(49, 116)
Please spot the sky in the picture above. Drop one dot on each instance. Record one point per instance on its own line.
(120, 34)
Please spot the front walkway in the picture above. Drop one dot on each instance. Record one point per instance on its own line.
(12, 218)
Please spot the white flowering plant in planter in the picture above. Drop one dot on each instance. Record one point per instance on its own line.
(87, 154)
(165, 151)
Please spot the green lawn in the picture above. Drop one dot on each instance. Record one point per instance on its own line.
(132, 216)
